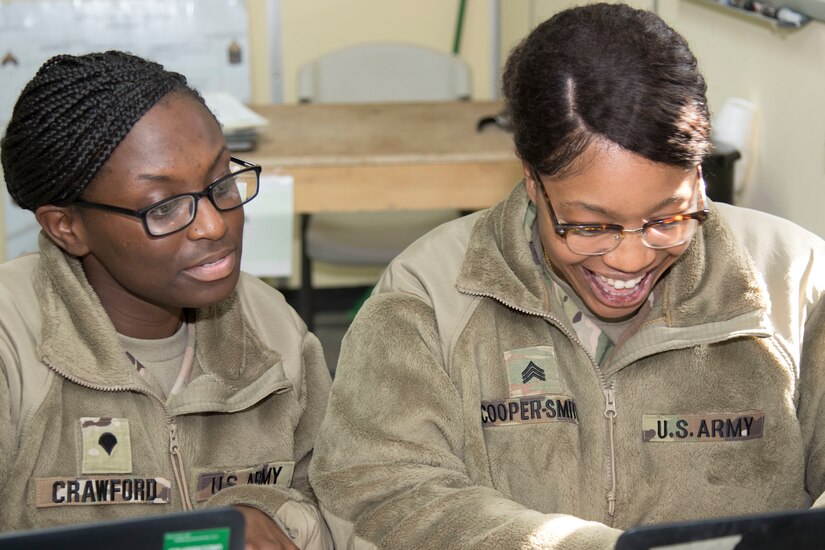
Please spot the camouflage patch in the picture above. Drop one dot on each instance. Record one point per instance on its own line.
(737, 426)
(532, 371)
(273, 473)
(97, 490)
(107, 447)
(537, 409)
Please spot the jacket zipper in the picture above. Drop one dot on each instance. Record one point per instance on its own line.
(610, 414)
(178, 465)
(609, 392)
(178, 468)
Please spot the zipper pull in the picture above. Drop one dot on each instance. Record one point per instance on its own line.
(178, 468)
(173, 439)
(609, 403)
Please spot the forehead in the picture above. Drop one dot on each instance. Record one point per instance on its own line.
(612, 179)
(177, 138)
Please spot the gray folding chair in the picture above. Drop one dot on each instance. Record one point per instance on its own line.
(372, 72)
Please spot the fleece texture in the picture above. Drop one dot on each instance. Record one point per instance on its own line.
(414, 452)
(257, 396)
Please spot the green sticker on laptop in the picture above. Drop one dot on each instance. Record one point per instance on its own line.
(202, 539)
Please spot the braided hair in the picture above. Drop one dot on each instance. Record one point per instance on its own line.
(70, 118)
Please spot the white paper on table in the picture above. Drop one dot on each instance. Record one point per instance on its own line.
(231, 113)
(267, 241)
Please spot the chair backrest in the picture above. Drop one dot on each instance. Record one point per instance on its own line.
(384, 71)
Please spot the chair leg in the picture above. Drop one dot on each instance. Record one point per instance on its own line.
(306, 302)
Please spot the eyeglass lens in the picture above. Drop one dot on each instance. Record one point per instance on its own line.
(226, 194)
(660, 235)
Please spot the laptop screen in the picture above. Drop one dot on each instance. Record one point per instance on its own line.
(209, 529)
(797, 529)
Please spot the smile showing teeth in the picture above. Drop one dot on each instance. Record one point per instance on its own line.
(619, 284)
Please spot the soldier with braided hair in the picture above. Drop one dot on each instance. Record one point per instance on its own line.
(141, 372)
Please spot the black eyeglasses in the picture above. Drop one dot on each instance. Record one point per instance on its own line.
(595, 239)
(176, 213)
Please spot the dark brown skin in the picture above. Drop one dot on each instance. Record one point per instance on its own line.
(145, 282)
(262, 533)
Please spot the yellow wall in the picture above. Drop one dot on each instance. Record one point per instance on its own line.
(784, 75)
(259, 51)
(314, 28)
(311, 29)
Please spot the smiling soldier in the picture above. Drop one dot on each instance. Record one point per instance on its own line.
(605, 348)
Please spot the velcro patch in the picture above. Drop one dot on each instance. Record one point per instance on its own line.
(532, 371)
(536, 409)
(86, 491)
(273, 473)
(107, 448)
(736, 426)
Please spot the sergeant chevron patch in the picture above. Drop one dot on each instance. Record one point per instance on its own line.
(532, 371)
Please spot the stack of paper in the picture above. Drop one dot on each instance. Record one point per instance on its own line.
(240, 124)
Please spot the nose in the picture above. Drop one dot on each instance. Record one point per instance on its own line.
(209, 222)
(631, 256)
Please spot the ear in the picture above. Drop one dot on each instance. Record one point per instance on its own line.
(530, 182)
(64, 227)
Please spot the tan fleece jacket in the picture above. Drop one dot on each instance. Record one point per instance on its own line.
(83, 437)
(466, 414)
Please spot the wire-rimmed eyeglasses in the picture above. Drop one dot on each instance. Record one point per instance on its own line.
(596, 239)
(176, 213)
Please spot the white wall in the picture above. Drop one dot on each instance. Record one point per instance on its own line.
(784, 75)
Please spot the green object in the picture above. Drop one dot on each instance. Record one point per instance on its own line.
(353, 311)
(459, 26)
(203, 539)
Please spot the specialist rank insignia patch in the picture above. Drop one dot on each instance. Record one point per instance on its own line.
(532, 371)
(107, 447)
(735, 426)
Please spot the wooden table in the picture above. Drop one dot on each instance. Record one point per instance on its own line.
(388, 156)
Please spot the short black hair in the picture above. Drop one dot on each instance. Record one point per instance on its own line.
(605, 72)
(70, 118)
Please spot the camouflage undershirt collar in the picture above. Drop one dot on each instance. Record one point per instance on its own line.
(589, 330)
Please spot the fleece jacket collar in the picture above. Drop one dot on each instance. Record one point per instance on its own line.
(79, 342)
(712, 279)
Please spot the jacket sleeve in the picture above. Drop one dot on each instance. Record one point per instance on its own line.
(8, 438)
(316, 385)
(812, 403)
(295, 510)
(390, 457)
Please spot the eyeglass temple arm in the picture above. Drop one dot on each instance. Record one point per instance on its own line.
(108, 208)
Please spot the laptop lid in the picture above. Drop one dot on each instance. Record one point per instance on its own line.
(208, 529)
(797, 529)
